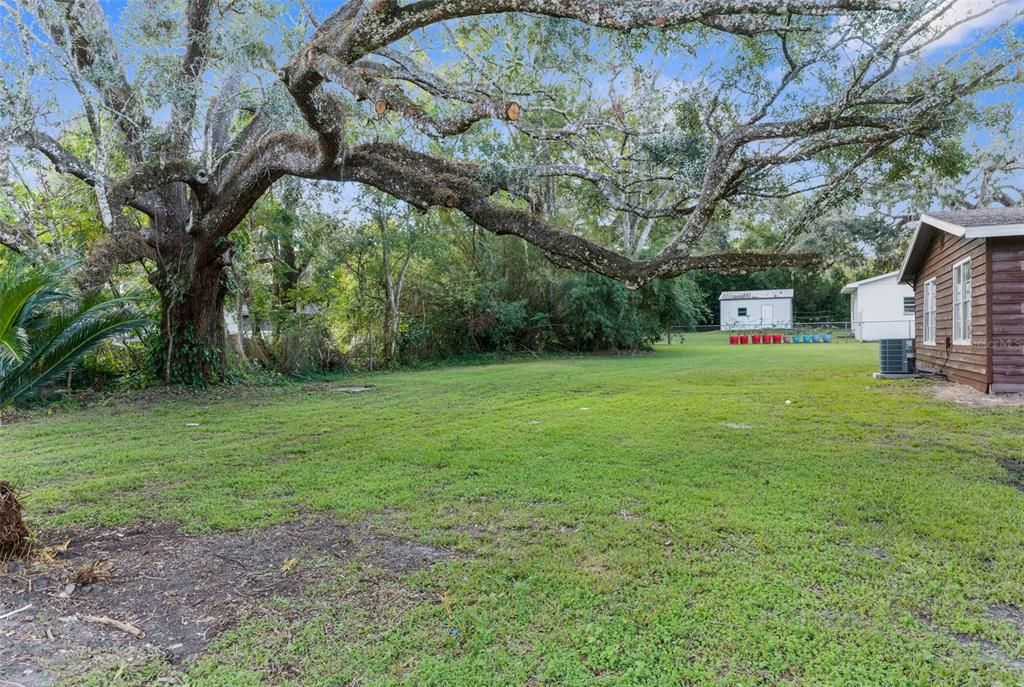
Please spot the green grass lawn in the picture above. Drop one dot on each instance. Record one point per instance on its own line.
(661, 519)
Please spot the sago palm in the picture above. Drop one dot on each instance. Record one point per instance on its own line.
(45, 329)
(24, 295)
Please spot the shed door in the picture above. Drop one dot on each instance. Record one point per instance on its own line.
(767, 316)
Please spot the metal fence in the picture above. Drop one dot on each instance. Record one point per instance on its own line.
(833, 325)
(840, 329)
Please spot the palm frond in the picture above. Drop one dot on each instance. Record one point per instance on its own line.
(23, 293)
(82, 333)
(45, 329)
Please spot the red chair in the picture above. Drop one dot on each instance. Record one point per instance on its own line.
(743, 338)
(733, 340)
(755, 338)
(776, 338)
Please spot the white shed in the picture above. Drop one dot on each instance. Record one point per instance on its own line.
(772, 309)
(881, 308)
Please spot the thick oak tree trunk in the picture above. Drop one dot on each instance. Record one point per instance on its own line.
(192, 288)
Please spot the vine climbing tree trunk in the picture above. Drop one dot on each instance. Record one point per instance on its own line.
(192, 288)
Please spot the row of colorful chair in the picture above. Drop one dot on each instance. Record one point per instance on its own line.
(738, 339)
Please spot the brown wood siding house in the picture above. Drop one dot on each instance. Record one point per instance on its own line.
(975, 256)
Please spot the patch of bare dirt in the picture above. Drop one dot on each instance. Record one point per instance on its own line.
(879, 553)
(353, 388)
(1008, 613)
(990, 650)
(1014, 472)
(971, 397)
(132, 594)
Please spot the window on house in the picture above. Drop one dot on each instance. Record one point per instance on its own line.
(908, 305)
(929, 312)
(962, 302)
(741, 312)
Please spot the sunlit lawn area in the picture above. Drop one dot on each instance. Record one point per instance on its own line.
(659, 519)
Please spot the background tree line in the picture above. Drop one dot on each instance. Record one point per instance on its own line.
(349, 195)
(321, 281)
(616, 138)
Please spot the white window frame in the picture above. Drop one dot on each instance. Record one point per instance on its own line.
(962, 302)
(929, 312)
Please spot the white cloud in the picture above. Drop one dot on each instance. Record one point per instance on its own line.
(993, 13)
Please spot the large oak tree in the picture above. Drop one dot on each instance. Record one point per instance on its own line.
(194, 113)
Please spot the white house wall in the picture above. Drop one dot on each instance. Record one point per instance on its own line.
(876, 311)
(781, 317)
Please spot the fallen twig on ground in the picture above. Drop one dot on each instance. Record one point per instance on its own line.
(116, 624)
(16, 611)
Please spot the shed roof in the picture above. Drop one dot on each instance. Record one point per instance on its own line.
(754, 295)
(854, 285)
(981, 223)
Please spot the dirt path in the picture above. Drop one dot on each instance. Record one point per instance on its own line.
(969, 396)
(177, 590)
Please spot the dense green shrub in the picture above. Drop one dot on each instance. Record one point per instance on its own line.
(511, 299)
(302, 345)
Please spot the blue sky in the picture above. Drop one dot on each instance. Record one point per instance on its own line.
(680, 68)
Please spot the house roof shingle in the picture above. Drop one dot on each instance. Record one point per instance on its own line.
(967, 224)
(981, 217)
